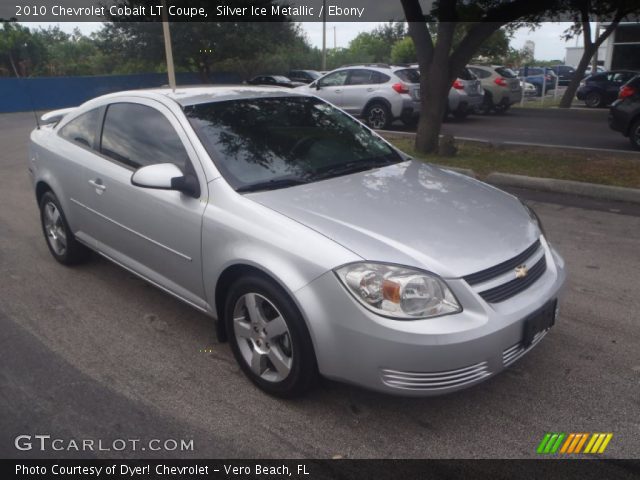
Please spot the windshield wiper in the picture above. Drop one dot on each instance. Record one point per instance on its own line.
(354, 167)
(271, 184)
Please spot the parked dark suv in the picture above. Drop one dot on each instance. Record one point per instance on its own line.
(601, 89)
(565, 73)
(303, 76)
(624, 114)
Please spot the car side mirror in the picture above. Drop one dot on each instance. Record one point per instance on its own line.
(316, 85)
(166, 176)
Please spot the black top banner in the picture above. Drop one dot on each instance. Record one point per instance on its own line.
(294, 10)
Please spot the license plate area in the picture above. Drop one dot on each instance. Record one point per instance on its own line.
(539, 321)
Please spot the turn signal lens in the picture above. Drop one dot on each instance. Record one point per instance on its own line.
(457, 84)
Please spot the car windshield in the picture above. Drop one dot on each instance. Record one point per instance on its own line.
(275, 142)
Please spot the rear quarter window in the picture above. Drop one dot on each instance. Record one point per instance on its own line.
(409, 75)
(82, 129)
(506, 72)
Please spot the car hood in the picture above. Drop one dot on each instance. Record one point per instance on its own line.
(413, 214)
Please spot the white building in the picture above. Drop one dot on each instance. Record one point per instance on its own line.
(621, 51)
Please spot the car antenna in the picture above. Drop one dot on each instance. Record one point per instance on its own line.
(25, 83)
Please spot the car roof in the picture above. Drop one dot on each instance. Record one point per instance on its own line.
(205, 94)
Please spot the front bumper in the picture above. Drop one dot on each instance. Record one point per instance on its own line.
(444, 354)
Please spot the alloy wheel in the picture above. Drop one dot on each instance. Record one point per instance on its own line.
(593, 100)
(54, 228)
(263, 337)
(377, 117)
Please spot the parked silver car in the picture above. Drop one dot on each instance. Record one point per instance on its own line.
(377, 93)
(318, 246)
(501, 87)
(465, 96)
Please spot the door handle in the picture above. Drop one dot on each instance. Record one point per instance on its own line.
(98, 186)
(369, 89)
(338, 91)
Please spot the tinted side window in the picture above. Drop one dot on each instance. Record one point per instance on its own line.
(360, 77)
(377, 77)
(137, 135)
(334, 79)
(506, 72)
(82, 130)
(480, 73)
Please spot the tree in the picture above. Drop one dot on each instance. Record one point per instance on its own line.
(617, 10)
(441, 60)
(403, 51)
(20, 51)
(202, 46)
(376, 45)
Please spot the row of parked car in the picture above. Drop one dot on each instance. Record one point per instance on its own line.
(624, 114)
(381, 94)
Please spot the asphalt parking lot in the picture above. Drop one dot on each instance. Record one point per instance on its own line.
(93, 352)
(579, 127)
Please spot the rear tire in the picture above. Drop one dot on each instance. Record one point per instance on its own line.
(593, 100)
(410, 122)
(269, 338)
(486, 106)
(377, 116)
(634, 134)
(501, 108)
(461, 115)
(60, 239)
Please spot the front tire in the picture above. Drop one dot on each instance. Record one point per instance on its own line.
(593, 100)
(378, 116)
(60, 239)
(269, 337)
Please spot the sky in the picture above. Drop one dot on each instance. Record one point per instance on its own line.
(548, 44)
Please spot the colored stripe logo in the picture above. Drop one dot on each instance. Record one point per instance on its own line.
(568, 443)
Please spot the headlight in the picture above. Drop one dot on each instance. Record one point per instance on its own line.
(534, 217)
(398, 292)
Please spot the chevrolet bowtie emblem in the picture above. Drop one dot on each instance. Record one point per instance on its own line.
(521, 271)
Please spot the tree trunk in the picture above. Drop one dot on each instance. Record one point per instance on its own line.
(570, 92)
(434, 99)
(13, 65)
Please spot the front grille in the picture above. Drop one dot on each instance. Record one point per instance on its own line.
(503, 267)
(513, 287)
(435, 380)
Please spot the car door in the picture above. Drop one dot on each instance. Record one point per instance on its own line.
(616, 80)
(75, 147)
(358, 88)
(330, 87)
(156, 233)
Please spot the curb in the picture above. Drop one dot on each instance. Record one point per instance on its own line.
(509, 143)
(592, 190)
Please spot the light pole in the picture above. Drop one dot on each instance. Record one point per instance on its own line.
(167, 46)
(324, 35)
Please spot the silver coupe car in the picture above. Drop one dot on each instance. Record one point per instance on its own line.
(319, 247)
